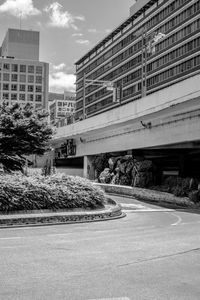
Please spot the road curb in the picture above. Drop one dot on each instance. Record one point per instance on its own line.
(58, 218)
(147, 195)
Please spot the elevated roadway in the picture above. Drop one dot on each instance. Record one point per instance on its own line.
(167, 119)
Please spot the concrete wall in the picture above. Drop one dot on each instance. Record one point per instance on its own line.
(175, 94)
(21, 44)
(170, 112)
(70, 171)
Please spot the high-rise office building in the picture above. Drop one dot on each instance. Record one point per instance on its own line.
(23, 78)
(155, 47)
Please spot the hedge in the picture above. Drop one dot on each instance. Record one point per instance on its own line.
(18, 192)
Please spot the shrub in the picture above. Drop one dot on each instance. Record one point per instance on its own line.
(18, 192)
(194, 196)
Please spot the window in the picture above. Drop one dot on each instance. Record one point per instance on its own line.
(22, 97)
(38, 98)
(5, 86)
(14, 77)
(22, 87)
(38, 79)
(13, 87)
(6, 77)
(23, 68)
(30, 78)
(13, 96)
(6, 66)
(22, 78)
(30, 69)
(30, 88)
(30, 97)
(5, 96)
(38, 88)
(38, 106)
(39, 70)
(14, 68)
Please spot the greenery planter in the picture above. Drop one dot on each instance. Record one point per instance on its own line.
(18, 192)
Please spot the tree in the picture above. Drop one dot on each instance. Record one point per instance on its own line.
(23, 131)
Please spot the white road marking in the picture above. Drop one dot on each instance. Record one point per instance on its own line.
(11, 238)
(121, 298)
(178, 221)
(134, 206)
(141, 208)
(14, 246)
(146, 210)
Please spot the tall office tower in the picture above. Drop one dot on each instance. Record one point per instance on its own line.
(23, 78)
(21, 44)
(155, 47)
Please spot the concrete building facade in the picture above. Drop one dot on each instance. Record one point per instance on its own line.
(62, 107)
(21, 44)
(23, 78)
(157, 46)
(154, 56)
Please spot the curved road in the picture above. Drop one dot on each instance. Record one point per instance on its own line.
(152, 253)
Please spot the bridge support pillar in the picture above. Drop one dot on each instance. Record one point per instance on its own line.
(88, 169)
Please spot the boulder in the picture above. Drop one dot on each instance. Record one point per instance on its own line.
(106, 176)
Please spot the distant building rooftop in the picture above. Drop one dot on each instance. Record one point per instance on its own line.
(21, 44)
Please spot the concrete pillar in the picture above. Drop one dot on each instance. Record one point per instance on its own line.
(88, 169)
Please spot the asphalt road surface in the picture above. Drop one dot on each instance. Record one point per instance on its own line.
(152, 253)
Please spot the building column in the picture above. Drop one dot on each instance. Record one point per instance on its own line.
(88, 169)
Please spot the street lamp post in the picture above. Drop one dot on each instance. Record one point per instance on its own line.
(144, 63)
(109, 85)
(84, 77)
(155, 38)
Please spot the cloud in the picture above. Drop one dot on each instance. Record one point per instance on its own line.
(92, 30)
(19, 8)
(80, 18)
(59, 67)
(60, 81)
(77, 34)
(83, 42)
(60, 18)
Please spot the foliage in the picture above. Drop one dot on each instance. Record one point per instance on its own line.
(194, 196)
(100, 162)
(18, 192)
(23, 131)
(180, 187)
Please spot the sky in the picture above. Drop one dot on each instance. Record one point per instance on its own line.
(68, 30)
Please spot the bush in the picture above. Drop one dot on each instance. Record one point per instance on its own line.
(194, 196)
(18, 192)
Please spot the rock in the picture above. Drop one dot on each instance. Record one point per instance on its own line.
(126, 171)
(144, 165)
(124, 180)
(111, 163)
(129, 167)
(122, 167)
(115, 179)
(106, 176)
